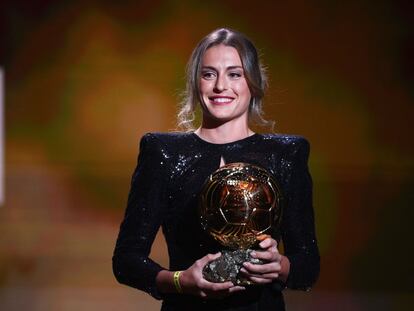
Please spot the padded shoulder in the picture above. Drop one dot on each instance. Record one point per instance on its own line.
(292, 144)
(169, 137)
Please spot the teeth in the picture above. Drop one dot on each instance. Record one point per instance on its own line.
(222, 100)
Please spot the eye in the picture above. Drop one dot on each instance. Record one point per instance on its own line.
(235, 75)
(208, 75)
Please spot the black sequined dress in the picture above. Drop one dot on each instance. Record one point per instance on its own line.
(171, 170)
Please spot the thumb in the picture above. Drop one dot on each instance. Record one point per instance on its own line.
(210, 257)
(215, 256)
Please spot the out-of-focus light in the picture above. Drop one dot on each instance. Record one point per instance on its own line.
(1, 137)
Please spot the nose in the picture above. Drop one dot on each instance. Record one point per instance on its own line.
(221, 84)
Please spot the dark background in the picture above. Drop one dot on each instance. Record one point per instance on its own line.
(84, 80)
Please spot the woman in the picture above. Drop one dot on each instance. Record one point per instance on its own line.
(224, 77)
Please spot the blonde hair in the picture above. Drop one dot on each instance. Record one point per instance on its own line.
(254, 73)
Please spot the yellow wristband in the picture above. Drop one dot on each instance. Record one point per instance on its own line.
(177, 281)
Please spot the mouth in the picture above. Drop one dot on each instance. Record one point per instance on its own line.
(221, 100)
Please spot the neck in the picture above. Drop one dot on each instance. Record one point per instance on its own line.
(223, 133)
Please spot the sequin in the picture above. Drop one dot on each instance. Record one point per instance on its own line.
(171, 170)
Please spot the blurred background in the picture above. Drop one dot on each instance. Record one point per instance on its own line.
(84, 80)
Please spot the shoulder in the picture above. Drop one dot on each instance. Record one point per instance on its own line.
(166, 143)
(292, 144)
(287, 139)
(166, 138)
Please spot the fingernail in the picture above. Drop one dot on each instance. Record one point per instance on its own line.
(253, 254)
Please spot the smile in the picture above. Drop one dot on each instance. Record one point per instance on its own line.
(221, 100)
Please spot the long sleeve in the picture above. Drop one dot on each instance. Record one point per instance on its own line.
(298, 228)
(143, 217)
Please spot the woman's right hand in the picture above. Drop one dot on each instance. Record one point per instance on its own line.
(192, 281)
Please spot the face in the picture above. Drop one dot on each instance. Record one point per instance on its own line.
(223, 87)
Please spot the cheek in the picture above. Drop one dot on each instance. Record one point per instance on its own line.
(204, 87)
(243, 90)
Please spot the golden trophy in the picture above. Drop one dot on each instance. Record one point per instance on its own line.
(240, 204)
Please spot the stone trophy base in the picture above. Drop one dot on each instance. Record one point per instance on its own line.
(227, 267)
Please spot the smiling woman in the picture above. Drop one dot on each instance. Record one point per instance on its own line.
(239, 50)
(225, 95)
(225, 78)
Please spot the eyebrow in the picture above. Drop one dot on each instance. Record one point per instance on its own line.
(228, 68)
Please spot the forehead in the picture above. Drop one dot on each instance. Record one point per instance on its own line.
(221, 55)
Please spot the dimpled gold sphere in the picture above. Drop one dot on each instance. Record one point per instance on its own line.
(239, 203)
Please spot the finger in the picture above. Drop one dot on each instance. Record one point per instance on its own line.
(268, 242)
(272, 254)
(261, 269)
(255, 277)
(237, 289)
(216, 287)
(212, 257)
(208, 258)
(258, 280)
(271, 275)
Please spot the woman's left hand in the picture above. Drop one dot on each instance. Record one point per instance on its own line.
(270, 270)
